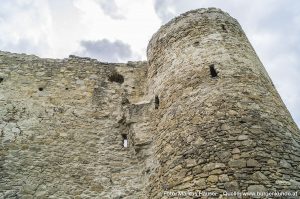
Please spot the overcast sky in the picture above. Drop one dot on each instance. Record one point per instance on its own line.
(119, 31)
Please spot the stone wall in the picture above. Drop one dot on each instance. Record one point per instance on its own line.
(201, 115)
(62, 123)
(221, 125)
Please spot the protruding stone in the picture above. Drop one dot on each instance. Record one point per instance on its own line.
(216, 171)
(239, 163)
(26, 196)
(212, 166)
(271, 162)
(223, 155)
(223, 178)
(201, 183)
(260, 177)
(295, 184)
(28, 188)
(283, 183)
(235, 151)
(252, 163)
(225, 127)
(80, 82)
(212, 178)
(283, 163)
(236, 156)
(16, 130)
(97, 188)
(199, 141)
(190, 162)
(257, 189)
(232, 112)
(231, 186)
(242, 137)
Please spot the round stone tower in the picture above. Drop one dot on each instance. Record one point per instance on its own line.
(219, 124)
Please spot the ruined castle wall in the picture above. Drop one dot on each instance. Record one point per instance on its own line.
(202, 114)
(220, 125)
(61, 124)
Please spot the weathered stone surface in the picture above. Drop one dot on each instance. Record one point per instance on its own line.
(191, 162)
(200, 114)
(295, 184)
(238, 163)
(212, 178)
(235, 151)
(283, 183)
(257, 190)
(242, 137)
(271, 162)
(231, 186)
(212, 166)
(201, 183)
(62, 134)
(252, 163)
(223, 178)
(258, 176)
(284, 164)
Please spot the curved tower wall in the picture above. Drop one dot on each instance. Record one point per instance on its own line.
(230, 132)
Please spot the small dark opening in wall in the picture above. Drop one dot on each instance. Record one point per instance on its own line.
(196, 44)
(156, 101)
(41, 89)
(116, 77)
(66, 89)
(223, 27)
(1, 79)
(125, 140)
(213, 71)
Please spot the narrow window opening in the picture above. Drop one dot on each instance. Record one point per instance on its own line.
(156, 101)
(213, 71)
(41, 89)
(125, 140)
(1, 79)
(223, 27)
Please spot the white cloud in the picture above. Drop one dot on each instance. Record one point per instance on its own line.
(23, 24)
(55, 28)
(110, 8)
(105, 50)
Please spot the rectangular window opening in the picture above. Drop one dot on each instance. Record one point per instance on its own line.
(125, 140)
(224, 28)
(156, 101)
(213, 71)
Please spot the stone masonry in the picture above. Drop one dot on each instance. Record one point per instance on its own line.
(201, 114)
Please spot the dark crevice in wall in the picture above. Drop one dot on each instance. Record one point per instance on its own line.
(41, 88)
(122, 120)
(1, 79)
(125, 101)
(196, 44)
(224, 28)
(116, 77)
(156, 101)
(213, 71)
